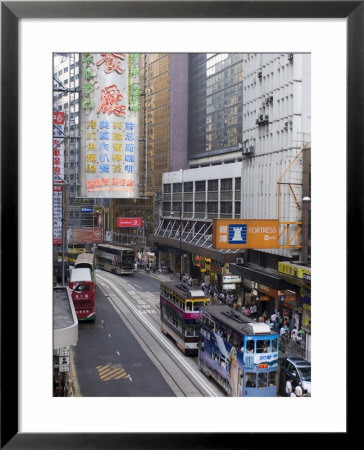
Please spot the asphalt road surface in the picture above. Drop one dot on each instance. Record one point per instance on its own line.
(110, 362)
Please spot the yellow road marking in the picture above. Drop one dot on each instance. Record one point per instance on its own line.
(111, 372)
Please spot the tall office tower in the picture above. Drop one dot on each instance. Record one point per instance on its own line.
(215, 103)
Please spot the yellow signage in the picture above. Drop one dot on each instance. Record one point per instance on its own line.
(294, 270)
(244, 233)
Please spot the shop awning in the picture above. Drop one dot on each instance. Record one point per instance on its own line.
(261, 276)
(217, 255)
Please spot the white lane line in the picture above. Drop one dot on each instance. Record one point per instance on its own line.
(109, 335)
(162, 339)
(118, 353)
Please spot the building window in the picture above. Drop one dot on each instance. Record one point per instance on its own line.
(176, 207)
(166, 207)
(226, 184)
(213, 185)
(187, 207)
(237, 208)
(212, 207)
(226, 207)
(200, 186)
(167, 188)
(177, 187)
(188, 186)
(237, 184)
(200, 207)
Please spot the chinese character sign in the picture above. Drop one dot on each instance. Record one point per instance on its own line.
(109, 125)
(58, 143)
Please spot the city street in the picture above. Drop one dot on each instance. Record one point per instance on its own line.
(124, 353)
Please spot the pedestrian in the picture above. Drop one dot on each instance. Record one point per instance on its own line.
(289, 387)
(282, 331)
(189, 282)
(276, 324)
(294, 334)
(255, 311)
(298, 390)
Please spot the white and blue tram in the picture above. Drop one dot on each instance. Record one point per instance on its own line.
(238, 352)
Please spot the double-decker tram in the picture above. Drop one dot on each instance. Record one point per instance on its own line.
(82, 288)
(86, 260)
(239, 353)
(180, 314)
(115, 259)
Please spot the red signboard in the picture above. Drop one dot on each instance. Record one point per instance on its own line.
(86, 234)
(58, 118)
(130, 222)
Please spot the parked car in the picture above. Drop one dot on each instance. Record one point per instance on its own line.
(299, 370)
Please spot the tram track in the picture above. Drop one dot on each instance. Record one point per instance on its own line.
(184, 379)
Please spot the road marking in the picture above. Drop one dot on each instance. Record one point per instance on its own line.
(111, 372)
(109, 335)
(117, 353)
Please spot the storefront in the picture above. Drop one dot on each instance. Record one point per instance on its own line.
(263, 288)
(300, 278)
(231, 286)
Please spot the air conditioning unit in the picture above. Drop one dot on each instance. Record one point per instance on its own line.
(249, 150)
(262, 120)
(239, 260)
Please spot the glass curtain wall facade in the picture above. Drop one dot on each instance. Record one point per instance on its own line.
(215, 102)
(155, 69)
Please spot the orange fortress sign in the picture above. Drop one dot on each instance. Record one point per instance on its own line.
(245, 233)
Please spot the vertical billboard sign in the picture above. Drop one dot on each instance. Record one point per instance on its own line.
(58, 177)
(109, 124)
(57, 215)
(58, 143)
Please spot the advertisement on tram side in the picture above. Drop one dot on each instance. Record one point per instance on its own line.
(225, 360)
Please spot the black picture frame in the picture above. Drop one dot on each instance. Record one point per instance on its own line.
(11, 12)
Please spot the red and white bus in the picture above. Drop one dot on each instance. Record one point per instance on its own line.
(82, 288)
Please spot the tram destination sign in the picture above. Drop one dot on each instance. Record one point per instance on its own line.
(245, 233)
